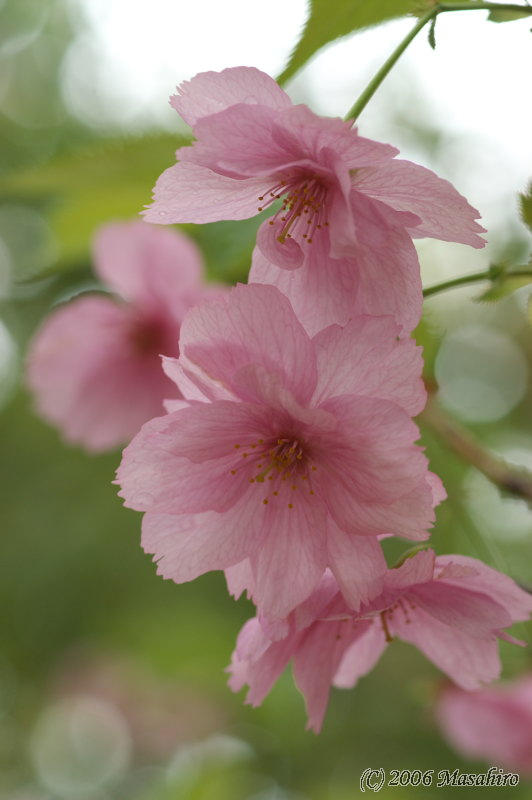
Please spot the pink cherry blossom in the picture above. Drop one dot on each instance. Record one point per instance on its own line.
(494, 724)
(341, 243)
(294, 453)
(452, 608)
(94, 367)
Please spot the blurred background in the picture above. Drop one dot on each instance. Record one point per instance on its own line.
(112, 680)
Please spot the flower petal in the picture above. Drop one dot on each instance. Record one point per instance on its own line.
(293, 555)
(468, 661)
(373, 458)
(257, 662)
(365, 358)
(316, 660)
(362, 655)
(154, 267)
(405, 186)
(84, 369)
(323, 291)
(472, 612)
(286, 254)
(358, 565)
(191, 460)
(239, 579)
(187, 192)
(251, 325)
(491, 582)
(210, 92)
(188, 545)
(387, 264)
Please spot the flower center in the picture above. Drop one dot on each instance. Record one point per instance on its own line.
(303, 209)
(282, 467)
(147, 337)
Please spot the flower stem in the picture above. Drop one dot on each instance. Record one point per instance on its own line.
(513, 480)
(438, 8)
(474, 277)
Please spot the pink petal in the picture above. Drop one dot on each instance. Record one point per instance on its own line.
(84, 369)
(254, 384)
(240, 142)
(438, 489)
(239, 579)
(493, 724)
(315, 663)
(188, 545)
(287, 255)
(304, 132)
(317, 605)
(323, 291)
(473, 613)
(362, 655)
(415, 570)
(252, 325)
(211, 92)
(365, 358)
(484, 579)
(192, 460)
(388, 270)
(187, 192)
(373, 477)
(156, 268)
(468, 661)
(193, 383)
(357, 220)
(406, 186)
(293, 555)
(259, 667)
(358, 565)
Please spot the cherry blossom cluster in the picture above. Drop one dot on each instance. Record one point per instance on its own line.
(287, 450)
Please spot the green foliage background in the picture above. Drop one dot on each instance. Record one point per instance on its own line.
(79, 598)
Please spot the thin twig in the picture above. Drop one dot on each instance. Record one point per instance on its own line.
(516, 481)
(431, 14)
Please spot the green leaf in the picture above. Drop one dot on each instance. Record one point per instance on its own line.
(509, 14)
(432, 33)
(331, 19)
(525, 201)
(82, 190)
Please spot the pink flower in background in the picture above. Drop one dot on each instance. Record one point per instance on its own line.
(493, 724)
(452, 608)
(94, 367)
(294, 453)
(340, 244)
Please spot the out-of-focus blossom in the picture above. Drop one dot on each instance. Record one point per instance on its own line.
(452, 608)
(94, 367)
(493, 724)
(294, 453)
(341, 242)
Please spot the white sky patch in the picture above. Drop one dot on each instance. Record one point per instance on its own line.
(473, 90)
